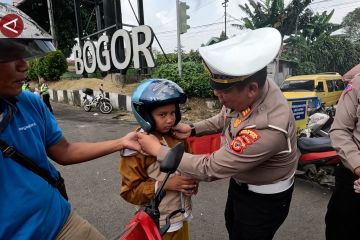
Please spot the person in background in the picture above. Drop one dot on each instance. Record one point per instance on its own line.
(258, 136)
(26, 86)
(155, 105)
(344, 205)
(44, 93)
(31, 208)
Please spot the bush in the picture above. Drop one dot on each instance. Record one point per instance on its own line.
(52, 66)
(195, 81)
(31, 74)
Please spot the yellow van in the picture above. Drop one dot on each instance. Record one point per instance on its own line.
(327, 86)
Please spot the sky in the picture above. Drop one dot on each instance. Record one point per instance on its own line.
(161, 16)
(207, 18)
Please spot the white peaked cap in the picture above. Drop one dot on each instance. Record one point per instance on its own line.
(244, 54)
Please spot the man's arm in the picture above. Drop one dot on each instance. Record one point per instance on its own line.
(204, 127)
(66, 153)
(341, 132)
(225, 162)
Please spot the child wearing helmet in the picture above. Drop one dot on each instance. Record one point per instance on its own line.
(155, 105)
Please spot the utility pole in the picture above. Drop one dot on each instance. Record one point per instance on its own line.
(225, 5)
(178, 37)
(182, 27)
(143, 66)
(51, 20)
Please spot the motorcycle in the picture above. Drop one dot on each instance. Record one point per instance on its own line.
(318, 158)
(319, 122)
(98, 101)
(145, 224)
(317, 161)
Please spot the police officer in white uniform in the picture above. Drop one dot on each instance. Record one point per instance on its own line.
(258, 142)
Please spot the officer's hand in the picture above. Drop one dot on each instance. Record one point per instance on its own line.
(181, 131)
(149, 143)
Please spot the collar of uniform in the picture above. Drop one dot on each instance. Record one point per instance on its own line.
(231, 113)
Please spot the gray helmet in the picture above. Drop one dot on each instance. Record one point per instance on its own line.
(30, 39)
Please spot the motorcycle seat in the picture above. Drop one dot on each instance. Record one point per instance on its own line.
(318, 144)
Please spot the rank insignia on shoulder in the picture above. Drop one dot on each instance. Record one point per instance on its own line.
(237, 122)
(245, 137)
(246, 112)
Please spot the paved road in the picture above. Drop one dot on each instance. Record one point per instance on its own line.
(93, 187)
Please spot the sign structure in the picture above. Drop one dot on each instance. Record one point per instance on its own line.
(299, 109)
(11, 25)
(101, 53)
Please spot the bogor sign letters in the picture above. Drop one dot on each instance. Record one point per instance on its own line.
(103, 53)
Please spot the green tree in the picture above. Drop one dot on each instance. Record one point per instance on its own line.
(351, 24)
(273, 13)
(325, 54)
(319, 25)
(64, 19)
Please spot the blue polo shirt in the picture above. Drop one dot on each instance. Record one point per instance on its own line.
(30, 208)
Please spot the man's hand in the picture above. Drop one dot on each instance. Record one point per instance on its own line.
(130, 141)
(183, 184)
(182, 131)
(149, 143)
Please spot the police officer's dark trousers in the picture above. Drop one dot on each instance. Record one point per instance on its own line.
(255, 216)
(342, 217)
(46, 99)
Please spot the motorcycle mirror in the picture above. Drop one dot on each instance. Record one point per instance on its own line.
(173, 158)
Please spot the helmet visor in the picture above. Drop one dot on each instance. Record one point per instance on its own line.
(13, 49)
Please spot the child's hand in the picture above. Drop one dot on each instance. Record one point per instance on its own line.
(183, 184)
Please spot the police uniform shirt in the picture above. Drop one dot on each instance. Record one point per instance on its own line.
(345, 131)
(259, 145)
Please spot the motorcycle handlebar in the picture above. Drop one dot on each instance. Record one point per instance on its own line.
(166, 227)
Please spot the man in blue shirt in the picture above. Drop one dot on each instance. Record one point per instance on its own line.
(31, 208)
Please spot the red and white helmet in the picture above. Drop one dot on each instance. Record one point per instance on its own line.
(20, 36)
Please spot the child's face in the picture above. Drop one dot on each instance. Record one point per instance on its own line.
(164, 117)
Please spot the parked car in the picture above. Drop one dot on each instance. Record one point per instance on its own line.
(327, 86)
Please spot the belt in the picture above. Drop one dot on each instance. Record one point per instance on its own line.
(272, 188)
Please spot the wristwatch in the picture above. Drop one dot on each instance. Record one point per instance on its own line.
(193, 132)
